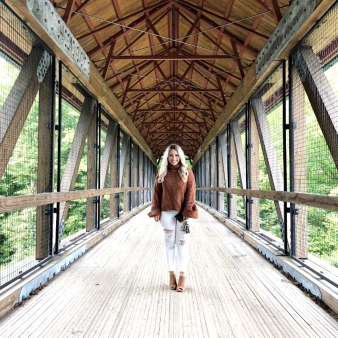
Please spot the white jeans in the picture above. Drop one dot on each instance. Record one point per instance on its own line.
(175, 238)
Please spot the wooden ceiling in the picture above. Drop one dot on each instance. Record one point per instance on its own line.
(172, 64)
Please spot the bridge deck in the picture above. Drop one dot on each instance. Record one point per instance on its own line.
(119, 289)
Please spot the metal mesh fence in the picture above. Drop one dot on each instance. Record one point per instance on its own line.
(267, 154)
(47, 135)
(105, 177)
(294, 150)
(76, 121)
(315, 103)
(25, 145)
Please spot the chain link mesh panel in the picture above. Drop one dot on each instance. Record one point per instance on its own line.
(26, 105)
(315, 114)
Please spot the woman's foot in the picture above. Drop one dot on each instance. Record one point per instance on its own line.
(181, 284)
(172, 281)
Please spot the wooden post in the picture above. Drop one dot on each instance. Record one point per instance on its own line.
(255, 226)
(45, 154)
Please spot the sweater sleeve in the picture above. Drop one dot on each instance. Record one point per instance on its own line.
(156, 200)
(190, 208)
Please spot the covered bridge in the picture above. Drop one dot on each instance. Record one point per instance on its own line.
(91, 94)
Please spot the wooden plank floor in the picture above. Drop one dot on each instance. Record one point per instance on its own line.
(119, 289)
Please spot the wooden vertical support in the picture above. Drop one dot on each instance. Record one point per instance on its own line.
(91, 174)
(299, 117)
(213, 166)
(255, 226)
(74, 158)
(45, 159)
(222, 168)
(14, 112)
(224, 156)
(114, 180)
(135, 170)
(207, 174)
(126, 175)
(202, 160)
(146, 179)
(137, 174)
(233, 182)
(198, 179)
(141, 177)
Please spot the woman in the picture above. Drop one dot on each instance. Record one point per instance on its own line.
(174, 191)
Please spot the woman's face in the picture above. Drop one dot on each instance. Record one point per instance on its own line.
(173, 157)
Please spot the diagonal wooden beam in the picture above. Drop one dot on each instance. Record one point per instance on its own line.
(15, 109)
(121, 34)
(158, 36)
(212, 24)
(75, 154)
(68, 12)
(321, 95)
(80, 7)
(127, 17)
(226, 20)
(175, 90)
(276, 11)
(110, 54)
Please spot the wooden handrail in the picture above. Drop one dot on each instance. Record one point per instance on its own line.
(311, 200)
(21, 202)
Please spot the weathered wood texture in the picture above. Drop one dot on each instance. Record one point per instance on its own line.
(119, 289)
(250, 84)
(44, 177)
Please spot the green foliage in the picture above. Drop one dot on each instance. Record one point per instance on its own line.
(7, 249)
(268, 217)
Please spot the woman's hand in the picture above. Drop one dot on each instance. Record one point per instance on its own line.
(157, 218)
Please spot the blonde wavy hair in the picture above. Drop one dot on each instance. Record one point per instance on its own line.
(183, 171)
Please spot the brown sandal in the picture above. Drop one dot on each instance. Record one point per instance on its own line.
(172, 282)
(181, 284)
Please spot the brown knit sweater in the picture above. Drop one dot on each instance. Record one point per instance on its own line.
(174, 194)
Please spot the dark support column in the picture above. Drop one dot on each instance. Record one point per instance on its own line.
(223, 168)
(217, 194)
(286, 127)
(58, 169)
(98, 165)
(299, 212)
(248, 200)
(228, 138)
